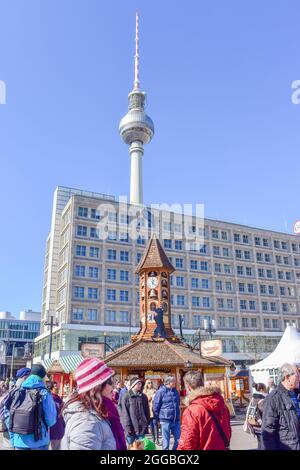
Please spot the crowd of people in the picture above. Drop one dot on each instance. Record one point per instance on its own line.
(273, 414)
(103, 414)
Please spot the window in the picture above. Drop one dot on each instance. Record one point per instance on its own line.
(284, 245)
(222, 322)
(269, 274)
(217, 267)
(110, 316)
(243, 304)
(82, 212)
(141, 240)
(241, 287)
(266, 323)
(77, 314)
(94, 233)
(204, 265)
(95, 214)
(285, 307)
(194, 264)
(124, 276)
(247, 255)
(203, 249)
(273, 307)
(79, 271)
(216, 251)
(238, 253)
(124, 256)
(231, 322)
(245, 323)
(215, 233)
(206, 302)
(240, 270)
(92, 314)
(80, 250)
(229, 304)
(282, 290)
(78, 292)
(177, 228)
(245, 239)
(253, 323)
(251, 288)
(92, 293)
(228, 286)
(81, 231)
(220, 303)
(111, 294)
(168, 244)
(180, 300)
(276, 244)
(226, 252)
(196, 302)
(227, 269)
(93, 272)
(195, 283)
(178, 244)
(265, 242)
(179, 281)
(138, 257)
(204, 284)
(280, 275)
(124, 295)
(271, 290)
(224, 236)
(218, 285)
(275, 324)
(259, 256)
(112, 255)
(179, 263)
(263, 289)
(248, 271)
(196, 321)
(257, 241)
(267, 258)
(94, 252)
(252, 305)
(124, 316)
(237, 237)
(261, 272)
(264, 306)
(288, 276)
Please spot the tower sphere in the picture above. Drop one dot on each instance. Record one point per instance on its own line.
(136, 125)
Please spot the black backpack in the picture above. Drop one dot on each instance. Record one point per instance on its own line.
(26, 412)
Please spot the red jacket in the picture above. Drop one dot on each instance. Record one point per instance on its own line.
(198, 430)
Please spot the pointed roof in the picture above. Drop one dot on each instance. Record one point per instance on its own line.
(154, 257)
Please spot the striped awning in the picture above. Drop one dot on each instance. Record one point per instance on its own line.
(47, 363)
(70, 363)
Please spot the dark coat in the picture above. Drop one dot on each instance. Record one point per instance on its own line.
(135, 415)
(58, 430)
(166, 404)
(280, 422)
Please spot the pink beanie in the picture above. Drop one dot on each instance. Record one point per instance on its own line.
(90, 373)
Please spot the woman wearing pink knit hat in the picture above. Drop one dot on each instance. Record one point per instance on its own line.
(92, 420)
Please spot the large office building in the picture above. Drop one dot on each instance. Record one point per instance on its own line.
(246, 279)
(16, 340)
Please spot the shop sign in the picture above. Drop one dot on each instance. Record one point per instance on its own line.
(92, 350)
(211, 348)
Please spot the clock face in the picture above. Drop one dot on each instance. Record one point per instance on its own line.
(152, 282)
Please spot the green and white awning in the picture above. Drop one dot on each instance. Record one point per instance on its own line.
(47, 363)
(71, 362)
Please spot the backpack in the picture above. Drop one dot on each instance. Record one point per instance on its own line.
(26, 412)
(254, 414)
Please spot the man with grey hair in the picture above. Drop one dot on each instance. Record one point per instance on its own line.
(281, 412)
(166, 408)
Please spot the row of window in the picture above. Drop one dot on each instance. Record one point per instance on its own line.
(79, 292)
(229, 322)
(111, 316)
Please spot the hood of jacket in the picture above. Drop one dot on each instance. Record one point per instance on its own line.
(210, 397)
(74, 408)
(33, 381)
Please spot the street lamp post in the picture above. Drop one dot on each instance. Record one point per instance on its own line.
(51, 324)
(198, 332)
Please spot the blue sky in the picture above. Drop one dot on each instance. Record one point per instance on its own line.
(218, 77)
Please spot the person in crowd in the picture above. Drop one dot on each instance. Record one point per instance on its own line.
(113, 415)
(149, 391)
(271, 385)
(21, 376)
(122, 392)
(30, 433)
(281, 412)
(116, 392)
(135, 415)
(206, 420)
(166, 407)
(254, 412)
(57, 431)
(85, 414)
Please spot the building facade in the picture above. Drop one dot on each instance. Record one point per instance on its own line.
(246, 279)
(16, 340)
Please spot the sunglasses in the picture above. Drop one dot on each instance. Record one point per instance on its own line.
(107, 382)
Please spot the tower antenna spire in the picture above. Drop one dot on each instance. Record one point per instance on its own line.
(136, 57)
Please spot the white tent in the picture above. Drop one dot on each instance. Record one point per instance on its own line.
(288, 350)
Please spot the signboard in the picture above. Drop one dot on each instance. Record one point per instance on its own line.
(2, 352)
(92, 350)
(297, 228)
(211, 348)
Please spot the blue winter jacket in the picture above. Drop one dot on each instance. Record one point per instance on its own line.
(166, 404)
(27, 440)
